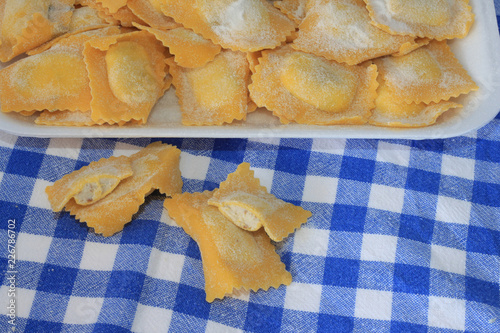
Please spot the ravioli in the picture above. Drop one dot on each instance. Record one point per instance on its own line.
(127, 76)
(340, 30)
(436, 19)
(242, 25)
(233, 258)
(391, 112)
(154, 167)
(215, 93)
(190, 50)
(150, 12)
(428, 74)
(247, 204)
(27, 24)
(71, 118)
(294, 9)
(113, 12)
(309, 89)
(55, 79)
(85, 18)
(89, 184)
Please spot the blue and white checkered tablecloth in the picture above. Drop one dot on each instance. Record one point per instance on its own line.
(404, 237)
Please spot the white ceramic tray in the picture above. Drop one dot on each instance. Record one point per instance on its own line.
(478, 52)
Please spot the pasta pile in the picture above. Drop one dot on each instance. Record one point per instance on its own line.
(318, 62)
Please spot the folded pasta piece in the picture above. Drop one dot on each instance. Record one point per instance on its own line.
(437, 19)
(71, 118)
(309, 89)
(190, 50)
(55, 79)
(86, 18)
(150, 12)
(127, 76)
(122, 16)
(340, 30)
(112, 5)
(233, 258)
(428, 74)
(89, 184)
(248, 205)
(65, 118)
(243, 25)
(27, 24)
(294, 9)
(391, 112)
(215, 93)
(154, 167)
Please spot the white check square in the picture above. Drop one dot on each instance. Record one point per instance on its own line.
(373, 304)
(458, 166)
(311, 241)
(393, 153)
(320, 189)
(335, 146)
(32, 247)
(386, 198)
(83, 310)
(447, 312)
(379, 248)
(453, 210)
(265, 177)
(149, 319)
(448, 259)
(214, 327)
(38, 197)
(303, 297)
(165, 266)
(68, 148)
(98, 257)
(194, 167)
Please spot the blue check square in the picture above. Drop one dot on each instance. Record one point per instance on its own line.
(483, 292)
(359, 169)
(230, 150)
(125, 284)
(341, 272)
(57, 279)
(24, 163)
(291, 160)
(423, 181)
(411, 279)
(416, 228)
(263, 318)
(337, 324)
(191, 301)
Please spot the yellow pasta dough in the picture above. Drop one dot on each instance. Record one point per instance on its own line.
(340, 30)
(115, 14)
(150, 12)
(190, 50)
(55, 79)
(242, 199)
(390, 111)
(294, 9)
(233, 258)
(85, 18)
(428, 74)
(215, 93)
(89, 184)
(308, 89)
(436, 19)
(243, 25)
(27, 24)
(127, 76)
(65, 118)
(154, 167)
